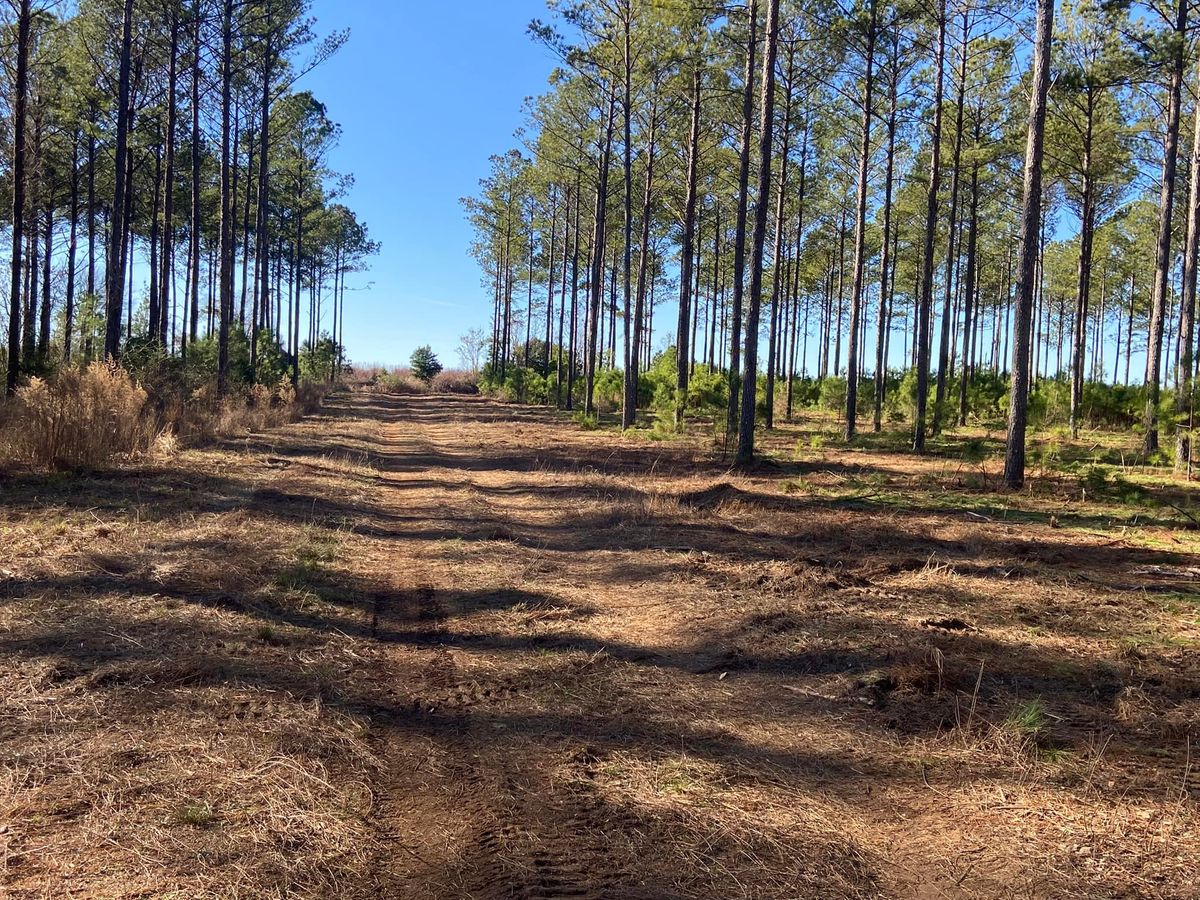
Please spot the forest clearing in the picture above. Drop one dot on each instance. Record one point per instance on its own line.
(812, 513)
(448, 647)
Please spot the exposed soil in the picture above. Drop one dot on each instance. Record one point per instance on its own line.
(442, 647)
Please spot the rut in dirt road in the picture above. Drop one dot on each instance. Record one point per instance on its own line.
(521, 693)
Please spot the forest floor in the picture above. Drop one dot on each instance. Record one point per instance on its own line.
(442, 647)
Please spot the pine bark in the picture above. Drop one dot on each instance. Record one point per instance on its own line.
(739, 234)
(925, 296)
(1031, 214)
(765, 123)
(860, 229)
(117, 235)
(1162, 261)
(20, 107)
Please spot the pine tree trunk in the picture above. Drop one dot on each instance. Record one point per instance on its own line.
(944, 355)
(778, 277)
(739, 235)
(887, 263)
(1162, 261)
(1185, 403)
(72, 250)
(631, 383)
(19, 103)
(925, 296)
(116, 243)
(167, 258)
(596, 279)
(860, 230)
(1031, 213)
(969, 312)
(227, 201)
(765, 126)
(196, 223)
(687, 254)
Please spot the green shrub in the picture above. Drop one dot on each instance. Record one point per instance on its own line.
(833, 394)
(708, 391)
(806, 392)
(518, 385)
(425, 364)
(609, 389)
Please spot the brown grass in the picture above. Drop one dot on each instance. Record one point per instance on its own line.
(435, 647)
(77, 418)
(98, 416)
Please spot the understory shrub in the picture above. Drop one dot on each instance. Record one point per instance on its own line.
(609, 389)
(708, 392)
(1104, 405)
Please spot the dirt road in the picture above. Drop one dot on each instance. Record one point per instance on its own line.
(441, 647)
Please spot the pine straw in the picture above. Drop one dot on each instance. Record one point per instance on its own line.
(302, 665)
(159, 740)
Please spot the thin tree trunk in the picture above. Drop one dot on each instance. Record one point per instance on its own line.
(739, 235)
(766, 121)
(778, 278)
(550, 283)
(687, 253)
(72, 250)
(167, 258)
(1185, 402)
(596, 279)
(886, 263)
(20, 100)
(631, 380)
(116, 243)
(196, 223)
(227, 200)
(969, 312)
(944, 357)
(1162, 261)
(925, 300)
(1031, 213)
(43, 348)
(860, 230)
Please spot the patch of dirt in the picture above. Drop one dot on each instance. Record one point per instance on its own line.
(441, 647)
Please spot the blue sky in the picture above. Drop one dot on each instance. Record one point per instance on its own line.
(425, 93)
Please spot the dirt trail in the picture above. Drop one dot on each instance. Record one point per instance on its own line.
(503, 657)
(598, 723)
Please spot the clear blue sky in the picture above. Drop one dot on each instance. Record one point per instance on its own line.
(425, 93)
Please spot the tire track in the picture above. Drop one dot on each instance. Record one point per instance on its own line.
(486, 814)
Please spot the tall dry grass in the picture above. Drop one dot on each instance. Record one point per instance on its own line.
(99, 415)
(76, 419)
(398, 381)
(455, 381)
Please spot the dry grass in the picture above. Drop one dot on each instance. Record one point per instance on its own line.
(99, 416)
(400, 382)
(77, 418)
(442, 647)
(455, 381)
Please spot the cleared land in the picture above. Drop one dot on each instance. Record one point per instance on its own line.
(442, 647)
